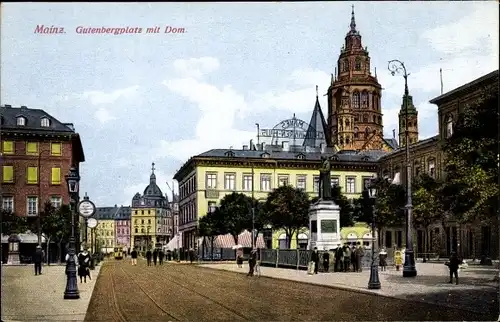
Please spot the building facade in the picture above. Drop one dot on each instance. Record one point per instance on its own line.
(151, 217)
(122, 227)
(105, 230)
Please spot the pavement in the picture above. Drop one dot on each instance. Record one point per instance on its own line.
(26, 297)
(477, 291)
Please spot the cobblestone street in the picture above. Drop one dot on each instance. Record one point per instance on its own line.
(185, 292)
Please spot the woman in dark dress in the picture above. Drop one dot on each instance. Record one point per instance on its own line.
(83, 265)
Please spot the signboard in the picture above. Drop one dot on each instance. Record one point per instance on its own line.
(86, 208)
(292, 129)
(92, 223)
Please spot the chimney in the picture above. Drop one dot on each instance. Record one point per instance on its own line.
(262, 146)
(251, 145)
(393, 133)
(245, 147)
(116, 205)
(23, 107)
(285, 146)
(8, 106)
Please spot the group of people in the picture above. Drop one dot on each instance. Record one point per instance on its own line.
(157, 255)
(347, 259)
(82, 262)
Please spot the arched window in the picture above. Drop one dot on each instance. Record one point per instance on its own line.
(356, 134)
(347, 140)
(374, 118)
(21, 121)
(347, 124)
(375, 101)
(357, 64)
(367, 132)
(341, 140)
(380, 119)
(364, 99)
(449, 126)
(345, 66)
(365, 118)
(355, 99)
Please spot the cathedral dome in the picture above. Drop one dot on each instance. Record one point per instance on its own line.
(152, 190)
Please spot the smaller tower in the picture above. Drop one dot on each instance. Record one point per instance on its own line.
(409, 121)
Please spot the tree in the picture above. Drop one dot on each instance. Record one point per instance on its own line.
(209, 228)
(427, 205)
(12, 224)
(287, 208)
(471, 165)
(347, 211)
(234, 214)
(55, 224)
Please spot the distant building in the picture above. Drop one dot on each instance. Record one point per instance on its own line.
(105, 230)
(151, 217)
(37, 151)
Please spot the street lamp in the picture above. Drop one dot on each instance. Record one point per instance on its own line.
(71, 292)
(409, 268)
(374, 283)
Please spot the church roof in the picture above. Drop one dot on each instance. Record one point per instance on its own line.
(316, 125)
(152, 190)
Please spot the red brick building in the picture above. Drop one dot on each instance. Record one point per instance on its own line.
(37, 151)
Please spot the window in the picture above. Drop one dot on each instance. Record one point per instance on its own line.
(265, 182)
(8, 203)
(32, 175)
(229, 181)
(388, 239)
(335, 181)
(45, 122)
(356, 134)
(432, 168)
(55, 177)
(56, 149)
(21, 121)
(301, 182)
(355, 100)
(8, 147)
(282, 181)
(212, 205)
(8, 173)
(366, 183)
(32, 206)
(247, 182)
(316, 184)
(449, 126)
(357, 64)
(56, 201)
(329, 226)
(364, 99)
(350, 185)
(149, 221)
(211, 181)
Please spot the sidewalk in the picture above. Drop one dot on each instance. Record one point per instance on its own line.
(477, 290)
(26, 297)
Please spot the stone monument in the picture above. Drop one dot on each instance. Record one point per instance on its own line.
(324, 215)
(13, 258)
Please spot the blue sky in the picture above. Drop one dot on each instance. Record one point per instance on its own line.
(142, 98)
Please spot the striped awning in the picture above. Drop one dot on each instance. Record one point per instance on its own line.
(245, 240)
(224, 241)
(25, 238)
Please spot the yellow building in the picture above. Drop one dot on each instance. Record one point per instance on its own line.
(105, 234)
(206, 178)
(151, 218)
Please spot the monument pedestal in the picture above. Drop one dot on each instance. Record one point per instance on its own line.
(324, 225)
(13, 258)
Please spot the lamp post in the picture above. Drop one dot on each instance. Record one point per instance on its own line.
(409, 270)
(374, 283)
(71, 292)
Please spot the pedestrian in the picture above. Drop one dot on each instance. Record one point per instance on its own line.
(161, 255)
(347, 258)
(38, 259)
(169, 255)
(252, 261)
(453, 265)
(148, 257)
(360, 253)
(353, 259)
(315, 259)
(155, 256)
(382, 255)
(133, 255)
(239, 258)
(339, 254)
(326, 261)
(191, 255)
(83, 265)
(398, 259)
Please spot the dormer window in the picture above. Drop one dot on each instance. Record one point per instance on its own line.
(229, 154)
(264, 155)
(21, 121)
(365, 158)
(45, 122)
(301, 156)
(334, 158)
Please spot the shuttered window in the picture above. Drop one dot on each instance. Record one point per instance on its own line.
(56, 176)
(32, 148)
(56, 149)
(32, 175)
(8, 173)
(8, 147)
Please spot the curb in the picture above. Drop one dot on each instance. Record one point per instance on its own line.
(355, 290)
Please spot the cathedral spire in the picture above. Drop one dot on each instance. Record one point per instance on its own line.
(353, 20)
(152, 178)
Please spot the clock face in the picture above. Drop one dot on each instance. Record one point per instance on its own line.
(92, 223)
(86, 208)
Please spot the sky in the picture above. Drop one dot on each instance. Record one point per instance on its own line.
(138, 98)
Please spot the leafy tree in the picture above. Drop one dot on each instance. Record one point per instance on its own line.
(12, 224)
(209, 228)
(234, 214)
(287, 208)
(427, 205)
(55, 223)
(471, 187)
(347, 211)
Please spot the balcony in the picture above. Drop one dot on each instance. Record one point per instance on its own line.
(211, 194)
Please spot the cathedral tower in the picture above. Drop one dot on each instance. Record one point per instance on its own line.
(354, 110)
(410, 120)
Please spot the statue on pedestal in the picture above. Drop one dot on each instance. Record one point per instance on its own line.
(325, 184)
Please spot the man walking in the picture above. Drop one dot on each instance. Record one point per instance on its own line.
(326, 261)
(360, 253)
(38, 259)
(155, 256)
(339, 254)
(133, 255)
(252, 260)
(148, 257)
(453, 265)
(315, 259)
(161, 255)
